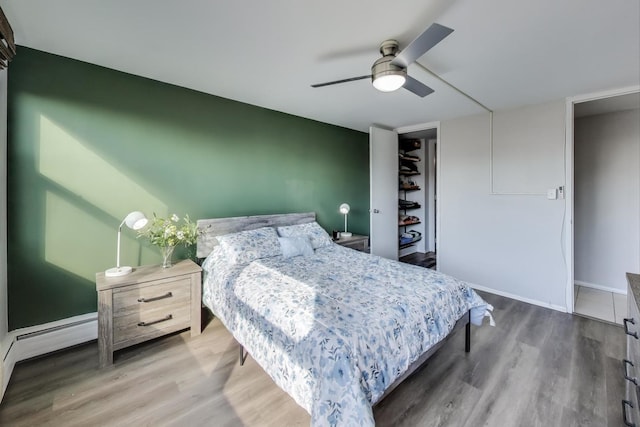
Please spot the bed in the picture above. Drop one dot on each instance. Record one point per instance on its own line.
(335, 328)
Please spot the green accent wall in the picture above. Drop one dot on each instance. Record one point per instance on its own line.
(87, 145)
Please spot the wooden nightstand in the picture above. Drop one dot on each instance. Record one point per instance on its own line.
(357, 242)
(148, 303)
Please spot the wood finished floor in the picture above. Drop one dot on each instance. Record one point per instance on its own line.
(537, 367)
(426, 260)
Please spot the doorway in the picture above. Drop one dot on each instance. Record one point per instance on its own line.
(404, 209)
(604, 199)
(423, 252)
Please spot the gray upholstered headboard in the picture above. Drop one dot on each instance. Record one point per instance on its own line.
(210, 228)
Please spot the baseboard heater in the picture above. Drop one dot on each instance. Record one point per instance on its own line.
(34, 341)
(54, 329)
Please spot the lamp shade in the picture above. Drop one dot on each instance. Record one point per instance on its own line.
(135, 221)
(345, 208)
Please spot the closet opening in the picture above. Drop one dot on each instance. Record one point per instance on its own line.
(417, 197)
(605, 204)
(404, 212)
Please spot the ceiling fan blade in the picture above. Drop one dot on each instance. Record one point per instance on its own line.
(425, 41)
(352, 79)
(417, 87)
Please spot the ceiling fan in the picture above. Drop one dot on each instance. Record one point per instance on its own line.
(389, 73)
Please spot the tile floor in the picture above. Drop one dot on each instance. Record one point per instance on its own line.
(598, 304)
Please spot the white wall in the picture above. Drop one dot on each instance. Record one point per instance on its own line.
(509, 244)
(607, 198)
(3, 221)
(524, 142)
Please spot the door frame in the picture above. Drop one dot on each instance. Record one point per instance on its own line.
(419, 127)
(569, 181)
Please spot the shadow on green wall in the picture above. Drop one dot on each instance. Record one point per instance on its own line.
(87, 145)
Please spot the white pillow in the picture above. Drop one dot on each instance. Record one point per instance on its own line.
(312, 230)
(295, 246)
(246, 246)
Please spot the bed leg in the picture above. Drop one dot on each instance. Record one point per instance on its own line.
(243, 356)
(467, 334)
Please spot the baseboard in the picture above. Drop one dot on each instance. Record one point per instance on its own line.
(33, 341)
(600, 287)
(8, 362)
(6, 365)
(519, 298)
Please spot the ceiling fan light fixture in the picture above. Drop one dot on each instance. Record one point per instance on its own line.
(386, 76)
(389, 73)
(389, 82)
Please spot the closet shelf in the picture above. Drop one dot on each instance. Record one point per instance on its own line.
(409, 165)
(413, 188)
(408, 158)
(411, 243)
(407, 206)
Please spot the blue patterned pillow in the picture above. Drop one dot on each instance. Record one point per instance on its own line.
(316, 234)
(246, 246)
(295, 246)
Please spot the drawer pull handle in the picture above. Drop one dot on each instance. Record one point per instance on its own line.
(167, 295)
(626, 327)
(626, 362)
(164, 319)
(624, 413)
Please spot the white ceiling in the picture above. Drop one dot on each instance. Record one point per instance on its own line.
(504, 53)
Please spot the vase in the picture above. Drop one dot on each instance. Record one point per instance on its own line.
(167, 253)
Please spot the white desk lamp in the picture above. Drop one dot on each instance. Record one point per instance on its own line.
(135, 221)
(344, 209)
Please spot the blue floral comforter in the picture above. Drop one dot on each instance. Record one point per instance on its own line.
(335, 329)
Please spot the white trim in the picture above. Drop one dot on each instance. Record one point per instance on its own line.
(25, 343)
(418, 127)
(603, 94)
(569, 189)
(568, 205)
(431, 196)
(4, 321)
(8, 362)
(438, 236)
(518, 298)
(600, 287)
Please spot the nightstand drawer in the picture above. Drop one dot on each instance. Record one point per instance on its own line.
(150, 296)
(149, 323)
